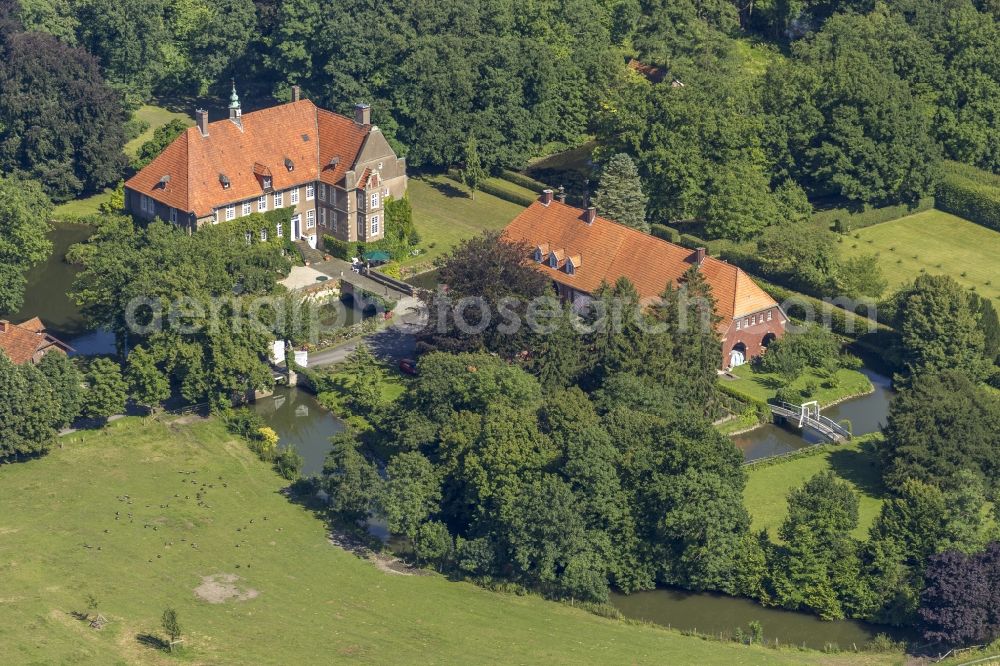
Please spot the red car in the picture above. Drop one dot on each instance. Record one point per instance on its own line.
(408, 366)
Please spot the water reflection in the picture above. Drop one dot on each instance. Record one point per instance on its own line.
(867, 414)
(45, 295)
(714, 613)
(301, 421)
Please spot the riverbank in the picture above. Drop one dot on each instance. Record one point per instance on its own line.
(150, 515)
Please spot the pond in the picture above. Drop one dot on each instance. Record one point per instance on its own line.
(714, 613)
(301, 421)
(45, 296)
(866, 414)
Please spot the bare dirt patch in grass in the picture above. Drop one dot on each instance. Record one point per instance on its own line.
(220, 588)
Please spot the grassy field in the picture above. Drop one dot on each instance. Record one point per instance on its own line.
(763, 386)
(141, 514)
(156, 116)
(444, 214)
(767, 489)
(78, 208)
(936, 242)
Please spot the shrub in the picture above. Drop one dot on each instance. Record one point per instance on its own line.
(338, 248)
(526, 182)
(665, 232)
(844, 220)
(970, 193)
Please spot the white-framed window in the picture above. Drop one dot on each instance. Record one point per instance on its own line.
(230, 211)
(310, 219)
(263, 234)
(322, 191)
(333, 195)
(769, 315)
(322, 217)
(262, 203)
(380, 166)
(267, 182)
(293, 196)
(142, 202)
(737, 324)
(281, 230)
(310, 192)
(334, 216)
(753, 320)
(279, 199)
(215, 216)
(374, 224)
(746, 323)
(374, 200)
(247, 207)
(173, 215)
(248, 237)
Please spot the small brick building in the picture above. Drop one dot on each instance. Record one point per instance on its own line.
(579, 250)
(28, 341)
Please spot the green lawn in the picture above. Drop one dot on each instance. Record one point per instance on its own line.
(936, 242)
(445, 213)
(60, 541)
(768, 486)
(78, 208)
(763, 386)
(156, 116)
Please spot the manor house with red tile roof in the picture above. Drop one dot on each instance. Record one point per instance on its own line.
(335, 172)
(579, 250)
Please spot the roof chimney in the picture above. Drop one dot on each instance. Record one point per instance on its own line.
(562, 194)
(201, 116)
(296, 93)
(362, 114)
(3, 325)
(546, 197)
(590, 215)
(699, 256)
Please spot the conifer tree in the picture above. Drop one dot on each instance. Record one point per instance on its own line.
(620, 196)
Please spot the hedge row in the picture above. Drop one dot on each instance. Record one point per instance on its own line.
(762, 408)
(665, 232)
(844, 220)
(338, 248)
(524, 181)
(970, 193)
(498, 192)
(842, 322)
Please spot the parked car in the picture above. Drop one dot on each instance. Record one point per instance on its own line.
(408, 366)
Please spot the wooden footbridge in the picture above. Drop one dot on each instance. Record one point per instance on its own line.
(808, 416)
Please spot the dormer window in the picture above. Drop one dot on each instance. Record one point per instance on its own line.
(267, 182)
(553, 262)
(569, 268)
(289, 164)
(538, 255)
(572, 264)
(224, 179)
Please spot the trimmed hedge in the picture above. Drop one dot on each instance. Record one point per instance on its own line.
(970, 193)
(499, 193)
(665, 232)
(843, 220)
(338, 248)
(761, 407)
(839, 317)
(524, 181)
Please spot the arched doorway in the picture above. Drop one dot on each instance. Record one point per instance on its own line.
(737, 355)
(768, 339)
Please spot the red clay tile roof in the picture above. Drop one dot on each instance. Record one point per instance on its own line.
(22, 342)
(608, 250)
(299, 131)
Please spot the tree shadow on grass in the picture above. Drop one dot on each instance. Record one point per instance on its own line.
(771, 383)
(449, 190)
(154, 642)
(860, 468)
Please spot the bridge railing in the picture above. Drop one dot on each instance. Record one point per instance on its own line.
(823, 421)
